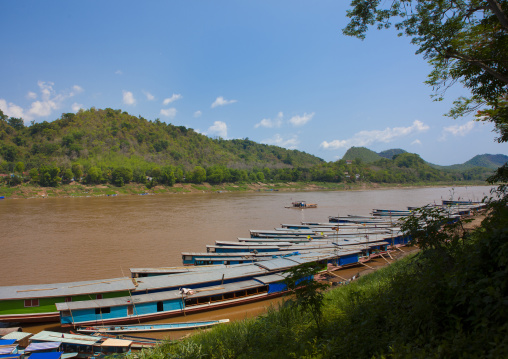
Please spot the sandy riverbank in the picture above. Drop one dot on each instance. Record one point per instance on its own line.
(74, 189)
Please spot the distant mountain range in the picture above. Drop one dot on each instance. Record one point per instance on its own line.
(485, 161)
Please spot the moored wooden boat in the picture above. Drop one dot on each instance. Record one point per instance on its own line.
(139, 328)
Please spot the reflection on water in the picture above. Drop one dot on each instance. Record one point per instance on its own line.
(74, 239)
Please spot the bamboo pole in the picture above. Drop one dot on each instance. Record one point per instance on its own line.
(365, 265)
(384, 258)
(338, 276)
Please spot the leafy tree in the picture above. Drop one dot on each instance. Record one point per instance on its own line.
(67, 175)
(121, 176)
(198, 175)
(20, 167)
(94, 175)
(77, 171)
(48, 176)
(308, 292)
(16, 123)
(465, 41)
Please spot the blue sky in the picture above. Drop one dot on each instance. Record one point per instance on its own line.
(277, 72)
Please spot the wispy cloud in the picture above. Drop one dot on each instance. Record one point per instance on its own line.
(149, 96)
(10, 109)
(197, 114)
(173, 98)
(118, 72)
(365, 138)
(219, 128)
(221, 101)
(290, 142)
(457, 130)
(128, 98)
(169, 112)
(50, 100)
(417, 142)
(301, 120)
(269, 123)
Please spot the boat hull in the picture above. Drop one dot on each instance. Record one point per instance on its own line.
(178, 313)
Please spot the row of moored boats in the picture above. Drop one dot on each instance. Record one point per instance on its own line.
(229, 273)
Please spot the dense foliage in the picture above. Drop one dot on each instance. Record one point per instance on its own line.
(110, 146)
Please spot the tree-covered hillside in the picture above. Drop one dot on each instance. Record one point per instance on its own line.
(95, 137)
(362, 153)
(111, 146)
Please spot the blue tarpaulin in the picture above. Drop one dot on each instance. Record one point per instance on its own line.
(51, 355)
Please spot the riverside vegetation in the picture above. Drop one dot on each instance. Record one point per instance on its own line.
(449, 300)
(105, 150)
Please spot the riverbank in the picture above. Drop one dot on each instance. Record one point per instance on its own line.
(74, 189)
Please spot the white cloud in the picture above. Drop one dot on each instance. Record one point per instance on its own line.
(197, 114)
(10, 109)
(118, 72)
(290, 142)
(457, 130)
(76, 107)
(416, 142)
(365, 138)
(269, 123)
(149, 96)
(49, 101)
(169, 112)
(301, 120)
(220, 101)
(219, 128)
(128, 98)
(173, 98)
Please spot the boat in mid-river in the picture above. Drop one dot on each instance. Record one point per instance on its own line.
(302, 205)
(140, 328)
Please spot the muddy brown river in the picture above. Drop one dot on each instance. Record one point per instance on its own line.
(74, 239)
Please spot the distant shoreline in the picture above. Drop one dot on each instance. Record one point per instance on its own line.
(76, 190)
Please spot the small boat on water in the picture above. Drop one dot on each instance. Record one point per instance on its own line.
(302, 205)
(139, 328)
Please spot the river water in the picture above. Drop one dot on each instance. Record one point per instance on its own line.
(73, 239)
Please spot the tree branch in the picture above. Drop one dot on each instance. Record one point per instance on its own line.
(481, 64)
(498, 11)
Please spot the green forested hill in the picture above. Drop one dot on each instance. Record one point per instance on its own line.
(111, 146)
(96, 137)
(362, 153)
(485, 160)
(392, 152)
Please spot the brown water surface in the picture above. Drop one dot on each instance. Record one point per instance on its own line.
(74, 239)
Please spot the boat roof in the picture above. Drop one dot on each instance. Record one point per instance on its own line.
(49, 336)
(262, 243)
(46, 355)
(192, 278)
(66, 289)
(156, 297)
(32, 347)
(17, 335)
(111, 342)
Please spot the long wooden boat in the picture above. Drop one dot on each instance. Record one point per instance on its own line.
(36, 303)
(163, 296)
(140, 328)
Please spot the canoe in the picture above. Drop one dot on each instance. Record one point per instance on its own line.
(139, 328)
